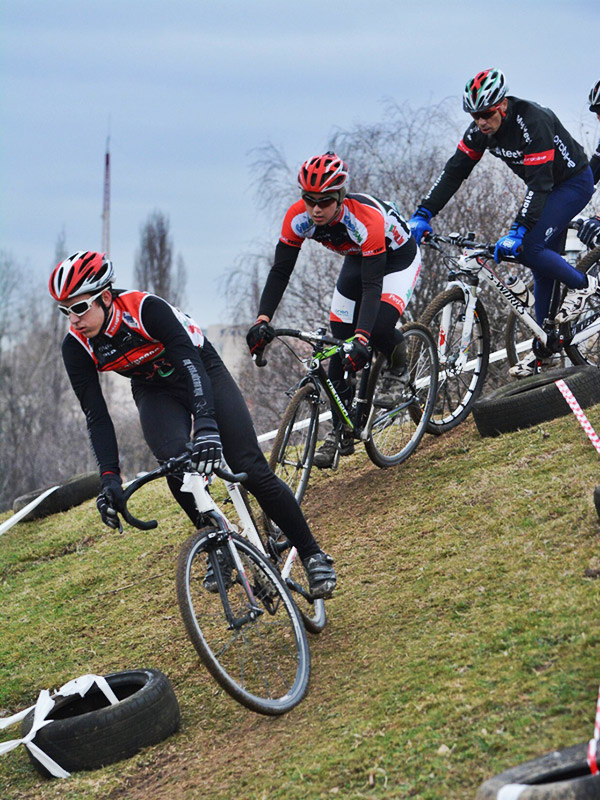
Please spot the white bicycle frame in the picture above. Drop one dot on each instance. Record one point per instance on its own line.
(471, 262)
(198, 484)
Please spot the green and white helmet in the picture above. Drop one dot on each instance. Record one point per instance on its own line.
(486, 89)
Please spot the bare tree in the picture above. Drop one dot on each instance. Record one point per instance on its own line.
(154, 270)
(398, 160)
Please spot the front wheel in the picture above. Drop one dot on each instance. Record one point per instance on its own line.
(401, 407)
(588, 350)
(459, 382)
(294, 446)
(247, 630)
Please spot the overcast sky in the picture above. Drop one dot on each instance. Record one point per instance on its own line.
(187, 89)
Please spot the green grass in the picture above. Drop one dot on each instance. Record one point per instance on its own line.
(461, 641)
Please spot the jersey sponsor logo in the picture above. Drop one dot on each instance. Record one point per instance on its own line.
(514, 155)
(130, 320)
(393, 300)
(538, 158)
(397, 236)
(352, 226)
(474, 155)
(302, 225)
(563, 150)
(526, 203)
(521, 124)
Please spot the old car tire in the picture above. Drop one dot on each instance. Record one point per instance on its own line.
(71, 493)
(527, 402)
(88, 733)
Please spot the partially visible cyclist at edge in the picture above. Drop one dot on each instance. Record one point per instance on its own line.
(589, 233)
(183, 392)
(378, 275)
(535, 145)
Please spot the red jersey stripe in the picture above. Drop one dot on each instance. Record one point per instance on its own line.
(475, 155)
(538, 158)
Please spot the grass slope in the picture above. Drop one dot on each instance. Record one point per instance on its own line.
(461, 641)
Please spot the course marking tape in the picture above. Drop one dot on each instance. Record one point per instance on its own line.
(579, 413)
(593, 437)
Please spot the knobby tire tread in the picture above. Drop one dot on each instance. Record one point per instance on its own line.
(456, 295)
(193, 548)
(298, 397)
(531, 401)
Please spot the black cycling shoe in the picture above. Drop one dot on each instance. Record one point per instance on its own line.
(390, 388)
(321, 574)
(334, 442)
(394, 378)
(210, 579)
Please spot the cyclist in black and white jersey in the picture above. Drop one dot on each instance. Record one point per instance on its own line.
(589, 233)
(535, 145)
(185, 397)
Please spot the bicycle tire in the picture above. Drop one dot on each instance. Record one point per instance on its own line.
(262, 661)
(396, 432)
(530, 401)
(587, 352)
(293, 451)
(456, 392)
(517, 336)
(313, 612)
(560, 775)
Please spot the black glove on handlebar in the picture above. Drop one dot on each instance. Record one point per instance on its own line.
(356, 354)
(259, 336)
(110, 501)
(207, 451)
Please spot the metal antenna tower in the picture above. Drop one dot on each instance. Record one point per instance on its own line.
(106, 205)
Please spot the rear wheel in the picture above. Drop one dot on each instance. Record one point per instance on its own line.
(250, 638)
(459, 384)
(588, 350)
(294, 446)
(397, 427)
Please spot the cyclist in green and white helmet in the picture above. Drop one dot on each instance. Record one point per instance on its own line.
(534, 144)
(486, 90)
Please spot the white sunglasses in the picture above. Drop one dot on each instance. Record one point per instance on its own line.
(81, 307)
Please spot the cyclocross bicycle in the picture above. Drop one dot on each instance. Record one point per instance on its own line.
(246, 627)
(390, 431)
(459, 321)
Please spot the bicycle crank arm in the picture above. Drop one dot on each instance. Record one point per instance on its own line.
(295, 587)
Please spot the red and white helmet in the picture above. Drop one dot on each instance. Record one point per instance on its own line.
(326, 173)
(594, 98)
(485, 90)
(80, 273)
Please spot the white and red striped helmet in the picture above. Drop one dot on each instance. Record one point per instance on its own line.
(80, 273)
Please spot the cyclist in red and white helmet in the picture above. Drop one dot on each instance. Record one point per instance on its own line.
(589, 233)
(378, 275)
(180, 387)
(534, 144)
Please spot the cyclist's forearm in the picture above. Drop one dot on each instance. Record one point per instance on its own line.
(278, 279)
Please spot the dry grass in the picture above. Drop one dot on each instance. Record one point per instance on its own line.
(460, 642)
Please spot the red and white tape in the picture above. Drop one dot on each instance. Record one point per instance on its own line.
(592, 753)
(579, 413)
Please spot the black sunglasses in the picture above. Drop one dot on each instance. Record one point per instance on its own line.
(485, 114)
(322, 202)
